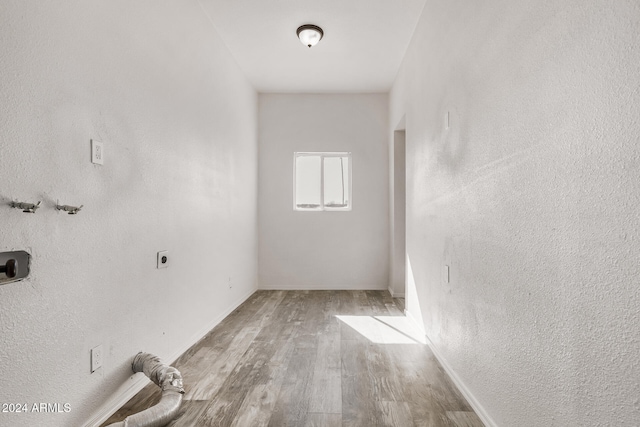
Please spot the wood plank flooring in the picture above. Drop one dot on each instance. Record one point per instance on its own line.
(313, 359)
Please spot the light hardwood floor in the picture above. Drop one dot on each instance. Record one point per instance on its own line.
(313, 358)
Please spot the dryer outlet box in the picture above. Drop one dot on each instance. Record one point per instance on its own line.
(163, 259)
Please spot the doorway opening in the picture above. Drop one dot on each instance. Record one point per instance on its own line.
(398, 212)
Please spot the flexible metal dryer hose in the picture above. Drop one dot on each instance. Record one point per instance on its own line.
(166, 377)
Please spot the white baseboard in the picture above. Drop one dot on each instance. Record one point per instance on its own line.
(318, 288)
(477, 407)
(396, 294)
(138, 382)
(134, 384)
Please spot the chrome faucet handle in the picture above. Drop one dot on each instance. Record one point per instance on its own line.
(26, 207)
(72, 210)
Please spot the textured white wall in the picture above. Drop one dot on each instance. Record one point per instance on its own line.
(532, 196)
(323, 250)
(155, 84)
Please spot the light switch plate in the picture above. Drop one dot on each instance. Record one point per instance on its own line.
(97, 152)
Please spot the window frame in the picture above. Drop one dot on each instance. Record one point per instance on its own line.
(323, 155)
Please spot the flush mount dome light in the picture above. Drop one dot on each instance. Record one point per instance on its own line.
(309, 34)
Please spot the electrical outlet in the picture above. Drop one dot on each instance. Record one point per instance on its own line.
(97, 152)
(163, 259)
(446, 274)
(96, 358)
(230, 285)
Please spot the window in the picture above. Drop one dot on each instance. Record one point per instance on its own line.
(322, 181)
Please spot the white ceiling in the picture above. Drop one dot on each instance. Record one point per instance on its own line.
(363, 45)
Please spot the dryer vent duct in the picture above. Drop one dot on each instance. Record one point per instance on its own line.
(166, 377)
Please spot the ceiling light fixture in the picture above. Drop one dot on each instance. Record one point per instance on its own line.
(309, 34)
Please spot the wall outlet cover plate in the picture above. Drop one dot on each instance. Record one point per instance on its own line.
(96, 358)
(163, 259)
(97, 152)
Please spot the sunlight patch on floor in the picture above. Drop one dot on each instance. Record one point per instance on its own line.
(385, 329)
